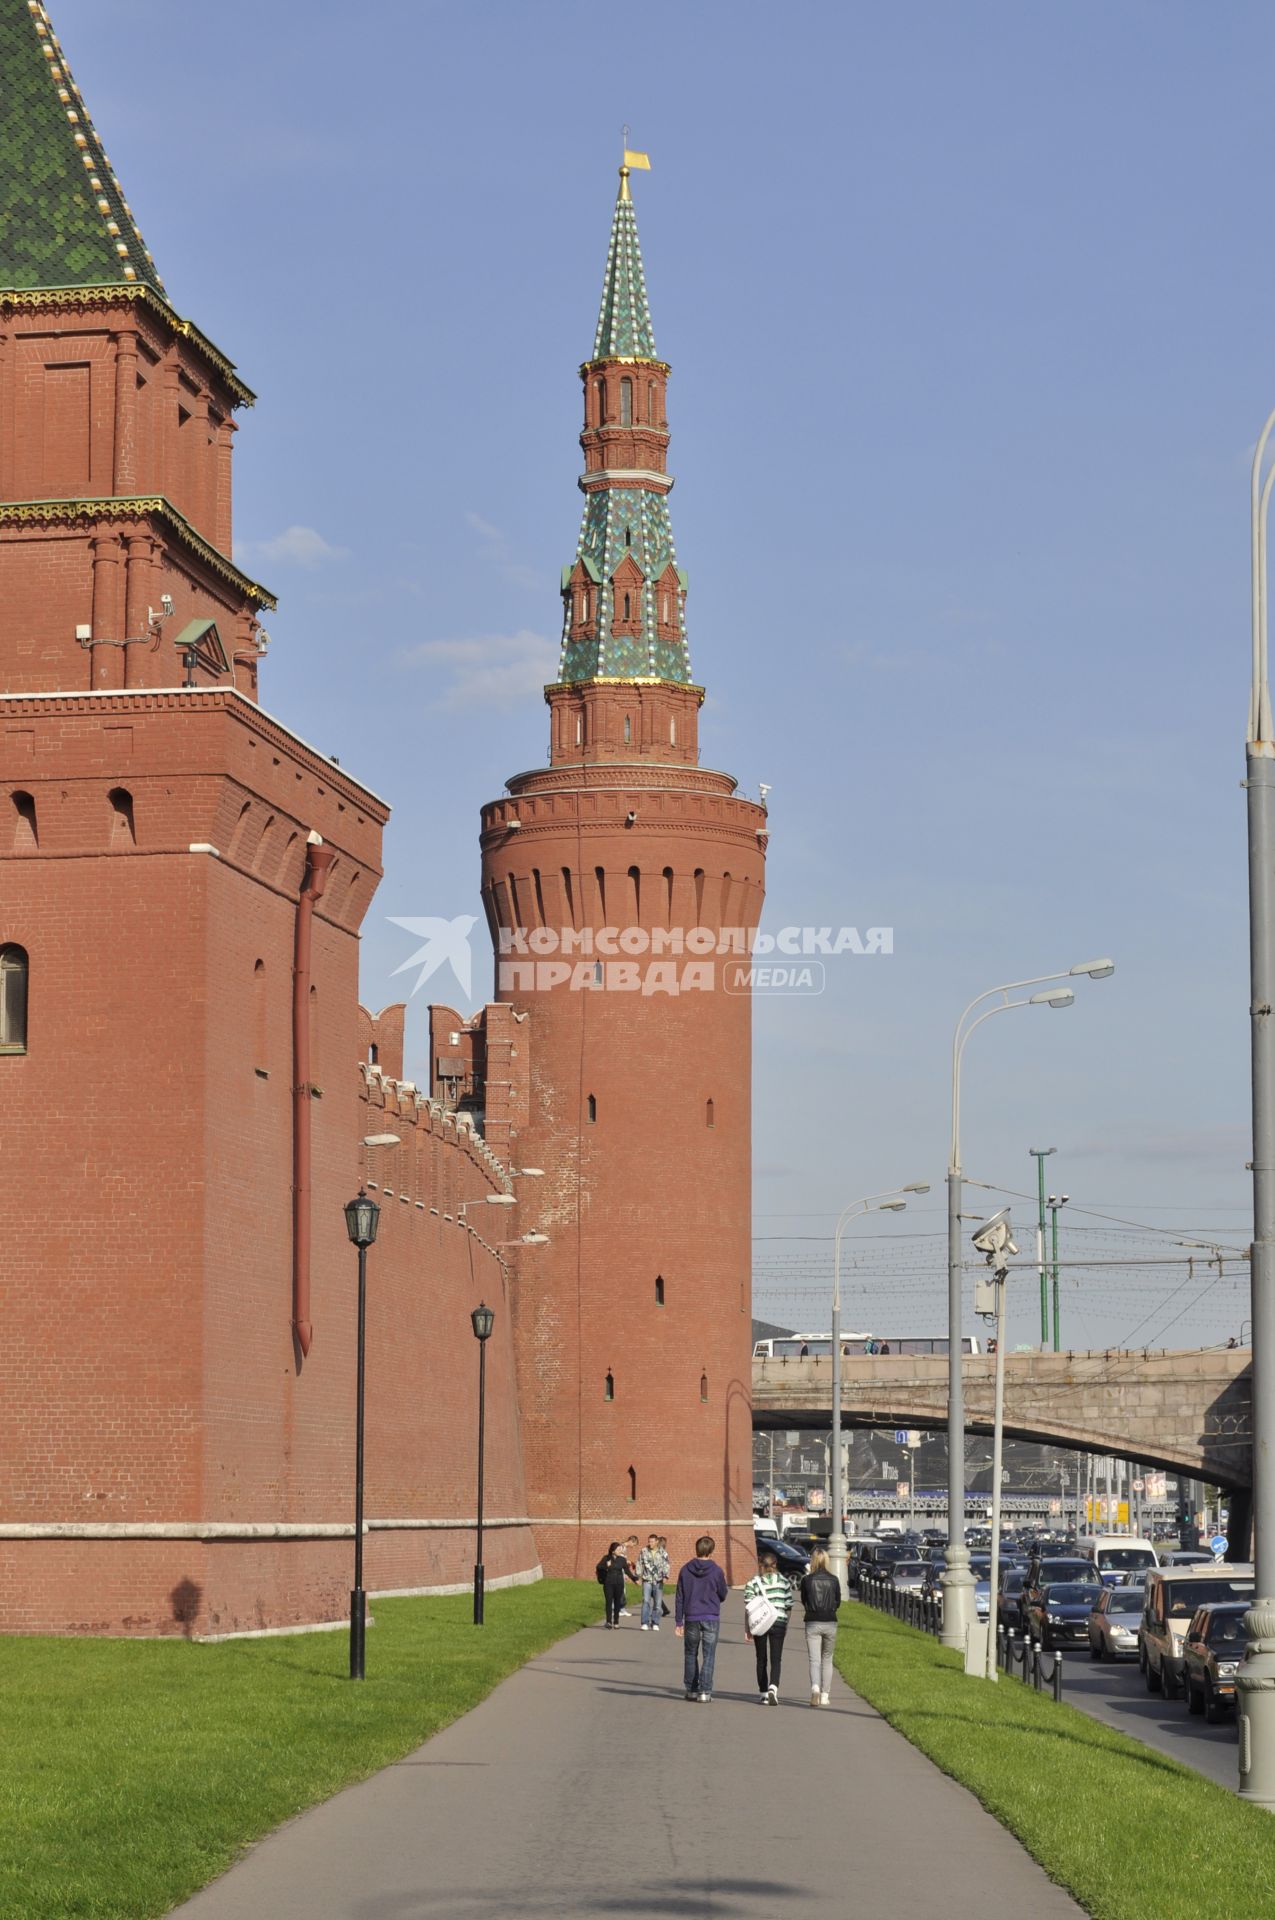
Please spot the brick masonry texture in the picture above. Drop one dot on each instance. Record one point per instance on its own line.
(170, 1463)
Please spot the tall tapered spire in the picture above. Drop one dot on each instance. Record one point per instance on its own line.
(64, 221)
(624, 595)
(624, 318)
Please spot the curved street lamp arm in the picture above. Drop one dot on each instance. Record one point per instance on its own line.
(1258, 500)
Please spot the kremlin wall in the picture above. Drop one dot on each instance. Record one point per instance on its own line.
(189, 1088)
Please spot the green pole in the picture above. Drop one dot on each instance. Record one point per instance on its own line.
(1039, 1155)
(1054, 1216)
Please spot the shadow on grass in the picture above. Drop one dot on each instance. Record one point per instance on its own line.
(1141, 1756)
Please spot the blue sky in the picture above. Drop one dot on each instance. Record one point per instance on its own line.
(970, 317)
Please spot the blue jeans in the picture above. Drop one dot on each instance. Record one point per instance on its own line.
(701, 1652)
(652, 1602)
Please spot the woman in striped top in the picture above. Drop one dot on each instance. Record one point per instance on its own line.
(769, 1584)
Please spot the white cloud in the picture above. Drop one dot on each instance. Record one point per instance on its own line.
(294, 547)
(494, 549)
(491, 670)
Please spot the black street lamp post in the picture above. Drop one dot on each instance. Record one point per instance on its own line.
(362, 1217)
(482, 1319)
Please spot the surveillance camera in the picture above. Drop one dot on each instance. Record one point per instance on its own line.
(263, 641)
(166, 602)
(630, 818)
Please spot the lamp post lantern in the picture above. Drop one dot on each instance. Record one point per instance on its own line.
(482, 1319)
(892, 1202)
(362, 1217)
(958, 1581)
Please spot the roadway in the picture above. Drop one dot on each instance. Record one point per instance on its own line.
(1116, 1693)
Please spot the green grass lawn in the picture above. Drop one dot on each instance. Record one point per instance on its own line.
(132, 1771)
(1133, 1835)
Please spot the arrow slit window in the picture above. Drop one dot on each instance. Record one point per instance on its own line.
(626, 402)
(13, 1000)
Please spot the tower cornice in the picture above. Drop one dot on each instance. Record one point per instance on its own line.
(48, 513)
(623, 360)
(86, 299)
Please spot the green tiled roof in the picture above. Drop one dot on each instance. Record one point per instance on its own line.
(64, 221)
(624, 319)
(620, 521)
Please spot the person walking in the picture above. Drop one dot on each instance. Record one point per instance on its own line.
(666, 1567)
(768, 1599)
(701, 1588)
(652, 1568)
(630, 1566)
(820, 1596)
(612, 1570)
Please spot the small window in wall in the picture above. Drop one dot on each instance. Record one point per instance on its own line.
(602, 402)
(259, 1018)
(651, 391)
(628, 536)
(668, 895)
(608, 1389)
(373, 1054)
(703, 1388)
(591, 1108)
(123, 833)
(628, 730)
(672, 733)
(659, 1289)
(24, 827)
(579, 729)
(628, 606)
(710, 1114)
(626, 402)
(632, 1483)
(597, 981)
(13, 999)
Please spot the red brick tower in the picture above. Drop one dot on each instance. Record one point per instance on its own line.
(618, 881)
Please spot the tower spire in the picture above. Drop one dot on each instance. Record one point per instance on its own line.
(624, 318)
(624, 595)
(64, 221)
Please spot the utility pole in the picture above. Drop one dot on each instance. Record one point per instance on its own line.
(1056, 1200)
(1040, 1155)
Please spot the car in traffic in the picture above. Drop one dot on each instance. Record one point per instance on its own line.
(1049, 1570)
(1008, 1613)
(1211, 1654)
(1172, 1597)
(1113, 1623)
(1115, 1554)
(908, 1576)
(1187, 1557)
(789, 1559)
(1058, 1614)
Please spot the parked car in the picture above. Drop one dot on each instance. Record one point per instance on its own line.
(1172, 1597)
(1058, 1614)
(1113, 1624)
(1211, 1654)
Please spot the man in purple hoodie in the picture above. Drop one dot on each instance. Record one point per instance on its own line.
(697, 1617)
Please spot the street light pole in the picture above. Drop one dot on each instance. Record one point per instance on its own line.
(957, 1581)
(362, 1217)
(1055, 1202)
(1255, 1680)
(482, 1319)
(1040, 1155)
(891, 1202)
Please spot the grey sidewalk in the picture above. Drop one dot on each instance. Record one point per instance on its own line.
(586, 1785)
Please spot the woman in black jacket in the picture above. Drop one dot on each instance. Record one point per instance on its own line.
(613, 1570)
(820, 1596)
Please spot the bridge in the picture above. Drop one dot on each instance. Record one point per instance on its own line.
(1189, 1412)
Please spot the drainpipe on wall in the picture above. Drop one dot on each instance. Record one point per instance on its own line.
(318, 861)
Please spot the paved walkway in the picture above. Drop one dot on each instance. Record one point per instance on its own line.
(586, 1785)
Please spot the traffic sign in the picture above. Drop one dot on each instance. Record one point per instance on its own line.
(1139, 1486)
(914, 1438)
(900, 1436)
(1218, 1544)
